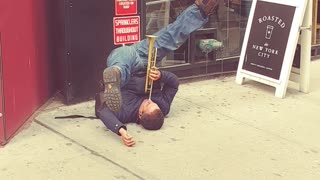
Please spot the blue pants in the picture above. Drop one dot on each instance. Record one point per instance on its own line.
(134, 58)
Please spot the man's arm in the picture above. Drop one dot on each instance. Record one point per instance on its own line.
(170, 88)
(110, 120)
(126, 138)
(170, 84)
(112, 123)
(170, 81)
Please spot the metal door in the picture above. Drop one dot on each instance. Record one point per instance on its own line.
(2, 124)
(84, 38)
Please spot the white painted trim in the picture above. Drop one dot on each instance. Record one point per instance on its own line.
(305, 60)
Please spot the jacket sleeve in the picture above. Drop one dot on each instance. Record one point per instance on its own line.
(169, 89)
(110, 120)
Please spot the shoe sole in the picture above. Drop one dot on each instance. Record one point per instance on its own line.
(112, 94)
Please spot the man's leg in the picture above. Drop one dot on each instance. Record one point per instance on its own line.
(112, 94)
(174, 35)
(120, 63)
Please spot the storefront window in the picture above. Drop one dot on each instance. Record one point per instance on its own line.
(226, 26)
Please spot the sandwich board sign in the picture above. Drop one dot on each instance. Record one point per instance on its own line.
(270, 41)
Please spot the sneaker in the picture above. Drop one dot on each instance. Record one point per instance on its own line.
(207, 6)
(112, 94)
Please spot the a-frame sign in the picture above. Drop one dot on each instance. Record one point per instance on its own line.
(270, 41)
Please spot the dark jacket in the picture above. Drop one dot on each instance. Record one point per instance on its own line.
(133, 94)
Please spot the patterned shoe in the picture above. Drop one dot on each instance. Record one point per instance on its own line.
(112, 94)
(207, 6)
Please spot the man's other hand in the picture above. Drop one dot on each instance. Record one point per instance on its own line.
(155, 74)
(126, 138)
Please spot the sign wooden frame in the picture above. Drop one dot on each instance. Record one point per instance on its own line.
(281, 81)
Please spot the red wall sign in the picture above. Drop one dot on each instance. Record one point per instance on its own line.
(126, 7)
(126, 30)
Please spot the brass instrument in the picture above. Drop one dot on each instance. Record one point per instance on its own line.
(152, 59)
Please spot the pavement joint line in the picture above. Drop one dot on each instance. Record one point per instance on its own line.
(252, 126)
(93, 152)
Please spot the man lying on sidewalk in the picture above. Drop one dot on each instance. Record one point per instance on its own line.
(127, 104)
(136, 107)
(127, 60)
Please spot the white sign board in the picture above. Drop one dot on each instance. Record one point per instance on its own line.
(270, 41)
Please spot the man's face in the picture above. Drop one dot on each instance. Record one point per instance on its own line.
(148, 107)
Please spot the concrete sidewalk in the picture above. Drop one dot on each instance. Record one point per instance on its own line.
(216, 130)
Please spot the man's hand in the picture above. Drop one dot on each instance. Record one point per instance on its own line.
(126, 139)
(155, 74)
